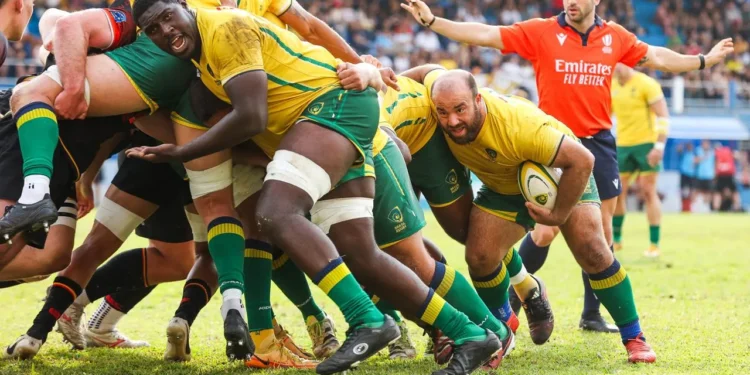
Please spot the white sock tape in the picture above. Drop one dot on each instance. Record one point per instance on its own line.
(67, 215)
(211, 180)
(297, 170)
(328, 212)
(117, 219)
(521, 276)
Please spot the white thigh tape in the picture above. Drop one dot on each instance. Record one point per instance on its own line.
(54, 73)
(117, 219)
(297, 170)
(248, 180)
(67, 215)
(200, 232)
(211, 180)
(328, 212)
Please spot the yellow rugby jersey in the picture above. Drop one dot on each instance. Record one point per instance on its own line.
(636, 122)
(268, 9)
(379, 141)
(515, 130)
(409, 113)
(235, 42)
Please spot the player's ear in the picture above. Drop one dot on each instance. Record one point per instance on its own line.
(18, 5)
(478, 99)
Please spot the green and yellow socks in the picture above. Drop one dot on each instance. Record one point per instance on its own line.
(521, 280)
(654, 234)
(612, 288)
(493, 290)
(617, 222)
(337, 282)
(258, 261)
(226, 243)
(37, 134)
(454, 324)
(457, 291)
(293, 283)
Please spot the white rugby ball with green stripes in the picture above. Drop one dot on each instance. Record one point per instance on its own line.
(538, 183)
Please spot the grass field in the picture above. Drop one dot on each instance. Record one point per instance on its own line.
(694, 305)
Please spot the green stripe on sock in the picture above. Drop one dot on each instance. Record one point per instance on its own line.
(454, 324)
(226, 243)
(456, 290)
(653, 234)
(258, 261)
(37, 134)
(493, 288)
(293, 283)
(612, 288)
(338, 283)
(617, 221)
(513, 262)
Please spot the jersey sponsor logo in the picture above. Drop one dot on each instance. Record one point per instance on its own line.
(583, 73)
(561, 38)
(118, 15)
(491, 153)
(607, 40)
(316, 108)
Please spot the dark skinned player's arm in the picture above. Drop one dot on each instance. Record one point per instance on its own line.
(317, 32)
(576, 163)
(403, 147)
(105, 151)
(418, 73)
(248, 117)
(74, 34)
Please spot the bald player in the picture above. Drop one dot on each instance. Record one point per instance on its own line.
(14, 16)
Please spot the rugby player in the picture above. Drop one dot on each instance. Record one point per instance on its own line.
(574, 55)
(14, 16)
(316, 114)
(642, 127)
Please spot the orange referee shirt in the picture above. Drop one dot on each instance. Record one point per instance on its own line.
(574, 70)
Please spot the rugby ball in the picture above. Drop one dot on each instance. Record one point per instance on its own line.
(538, 183)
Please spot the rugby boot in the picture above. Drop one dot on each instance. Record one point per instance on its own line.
(470, 355)
(71, 326)
(323, 336)
(652, 252)
(403, 348)
(361, 343)
(596, 323)
(178, 341)
(440, 346)
(286, 339)
(515, 302)
(639, 351)
(111, 339)
(271, 353)
(508, 345)
(35, 238)
(27, 217)
(24, 348)
(539, 313)
(239, 345)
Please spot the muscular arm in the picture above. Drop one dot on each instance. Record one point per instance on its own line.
(317, 32)
(576, 163)
(105, 151)
(73, 36)
(418, 73)
(464, 32)
(403, 147)
(248, 117)
(667, 60)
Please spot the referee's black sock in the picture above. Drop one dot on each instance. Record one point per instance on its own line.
(124, 272)
(61, 295)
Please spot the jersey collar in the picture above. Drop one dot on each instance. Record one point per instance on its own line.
(598, 22)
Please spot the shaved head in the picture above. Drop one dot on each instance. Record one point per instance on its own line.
(459, 106)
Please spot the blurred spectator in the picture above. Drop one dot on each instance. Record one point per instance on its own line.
(687, 174)
(705, 161)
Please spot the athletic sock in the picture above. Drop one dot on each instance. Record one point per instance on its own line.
(293, 283)
(591, 303)
(124, 272)
(37, 134)
(114, 307)
(226, 243)
(521, 280)
(454, 324)
(195, 295)
(457, 291)
(61, 295)
(617, 221)
(385, 307)
(612, 286)
(493, 290)
(337, 282)
(10, 283)
(258, 261)
(653, 234)
(533, 256)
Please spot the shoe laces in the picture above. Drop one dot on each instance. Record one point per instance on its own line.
(637, 344)
(536, 304)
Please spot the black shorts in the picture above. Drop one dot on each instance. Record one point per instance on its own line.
(725, 182)
(606, 171)
(159, 184)
(703, 185)
(62, 183)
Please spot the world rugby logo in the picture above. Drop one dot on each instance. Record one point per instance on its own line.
(607, 40)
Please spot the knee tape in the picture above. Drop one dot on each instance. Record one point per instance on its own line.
(200, 232)
(297, 170)
(54, 73)
(328, 212)
(117, 219)
(211, 180)
(67, 215)
(248, 180)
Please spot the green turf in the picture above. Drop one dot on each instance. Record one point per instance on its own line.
(693, 304)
